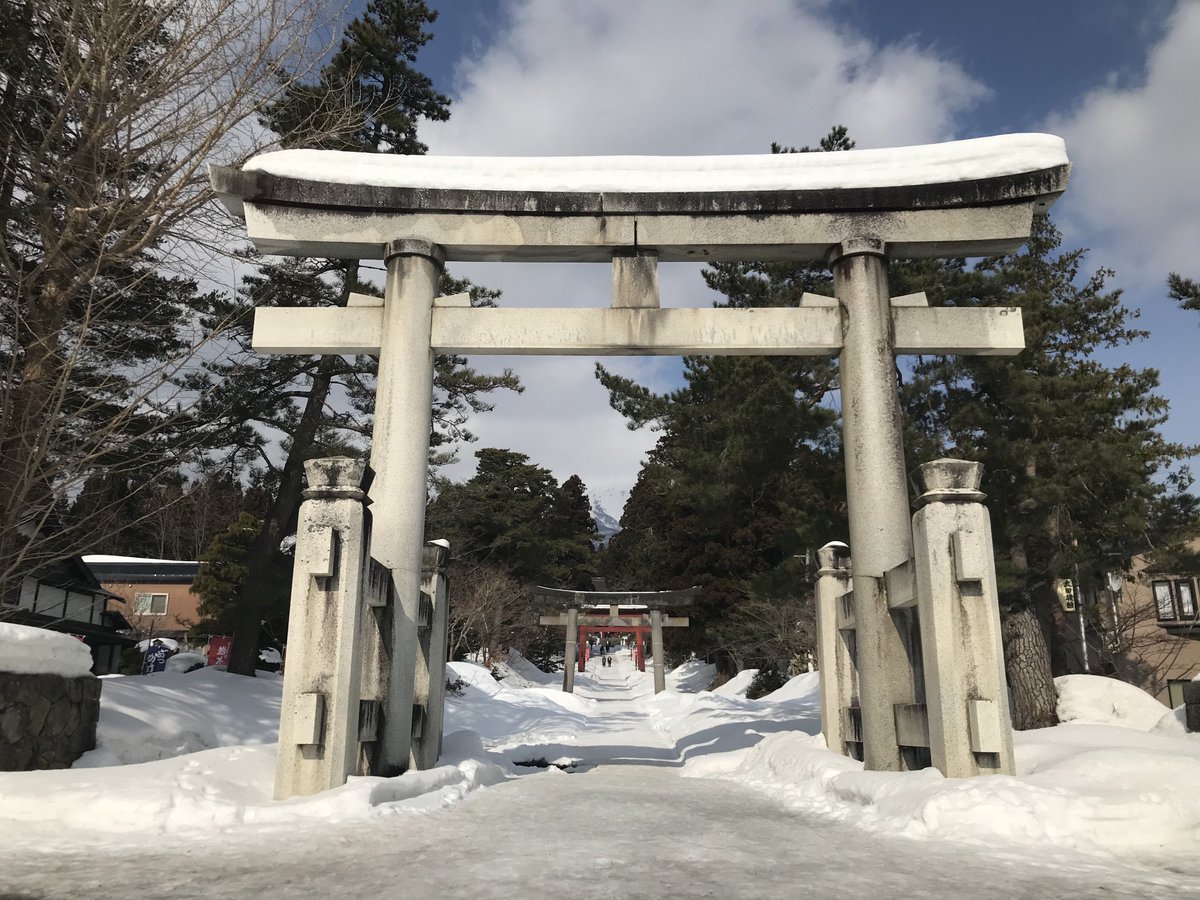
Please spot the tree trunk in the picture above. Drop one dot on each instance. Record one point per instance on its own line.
(1027, 659)
(260, 568)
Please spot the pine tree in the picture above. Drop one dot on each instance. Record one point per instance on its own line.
(573, 532)
(223, 573)
(1185, 290)
(747, 473)
(513, 513)
(367, 98)
(371, 76)
(635, 558)
(1076, 468)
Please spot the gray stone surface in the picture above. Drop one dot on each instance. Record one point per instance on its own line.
(839, 673)
(46, 721)
(876, 497)
(429, 664)
(399, 456)
(318, 723)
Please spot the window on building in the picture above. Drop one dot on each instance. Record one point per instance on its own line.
(150, 604)
(1186, 593)
(1175, 692)
(1164, 601)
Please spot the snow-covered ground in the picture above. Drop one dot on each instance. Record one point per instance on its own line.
(623, 793)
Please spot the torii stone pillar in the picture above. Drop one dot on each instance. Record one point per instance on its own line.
(876, 493)
(319, 721)
(570, 649)
(656, 647)
(970, 731)
(429, 673)
(400, 458)
(839, 683)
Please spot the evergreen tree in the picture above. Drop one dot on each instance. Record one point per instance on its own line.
(222, 575)
(747, 474)
(573, 531)
(514, 514)
(1077, 471)
(635, 556)
(367, 98)
(1185, 290)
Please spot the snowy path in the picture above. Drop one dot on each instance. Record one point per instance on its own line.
(623, 824)
(601, 838)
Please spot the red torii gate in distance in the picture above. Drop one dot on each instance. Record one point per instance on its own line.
(627, 612)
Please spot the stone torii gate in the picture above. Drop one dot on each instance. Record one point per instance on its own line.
(627, 612)
(853, 210)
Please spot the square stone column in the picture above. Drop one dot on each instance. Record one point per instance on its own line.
(318, 723)
(840, 720)
(970, 730)
(429, 673)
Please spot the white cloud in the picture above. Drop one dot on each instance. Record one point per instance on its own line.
(691, 77)
(1135, 181)
(579, 77)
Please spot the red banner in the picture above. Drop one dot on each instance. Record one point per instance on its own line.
(218, 650)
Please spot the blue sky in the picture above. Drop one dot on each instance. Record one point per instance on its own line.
(1117, 79)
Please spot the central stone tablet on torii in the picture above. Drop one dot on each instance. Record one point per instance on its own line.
(852, 210)
(625, 612)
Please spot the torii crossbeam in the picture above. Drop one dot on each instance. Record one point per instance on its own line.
(852, 209)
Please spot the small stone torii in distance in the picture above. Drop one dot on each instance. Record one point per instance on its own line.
(579, 612)
(852, 210)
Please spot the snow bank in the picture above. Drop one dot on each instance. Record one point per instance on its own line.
(1102, 789)
(520, 672)
(692, 676)
(898, 166)
(709, 723)
(737, 685)
(152, 717)
(187, 754)
(1098, 789)
(1095, 700)
(215, 789)
(803, 687)
(1175, 722)
(498, 711)
(186, 662)
(25, 650)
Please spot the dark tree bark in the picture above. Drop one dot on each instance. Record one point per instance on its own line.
(1027, 659)
(260, 568)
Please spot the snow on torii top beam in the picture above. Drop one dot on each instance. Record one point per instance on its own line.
(964, 198)
(562, 598)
